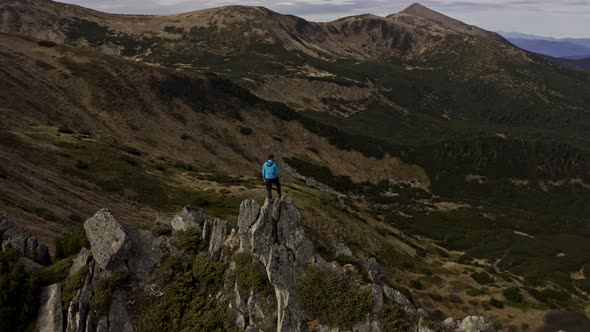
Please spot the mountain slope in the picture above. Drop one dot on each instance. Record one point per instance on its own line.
(442, 20)
(441, 150)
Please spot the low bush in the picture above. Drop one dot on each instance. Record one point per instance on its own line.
(160, 230)
(477, 291)
(188, 302)
(482, 278)
(250, 275)
(344, 259)
(46, 43)
(65, 130)
(395, 318)
(190, 240)
(245, 131)
(17, 293)
(549, 296)
(513, 294)
(71, 243)
(333, 300)
(417, 285)
(496, 303)
(103, 292)
(54, 273)
(73, 283)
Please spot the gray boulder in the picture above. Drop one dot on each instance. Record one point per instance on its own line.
(475, 324)
(189, 218)
(107, 238)
(340, 249)
(16, 237)
(451, 323)
(49, 316)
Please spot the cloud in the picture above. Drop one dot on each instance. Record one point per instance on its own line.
(559, 18)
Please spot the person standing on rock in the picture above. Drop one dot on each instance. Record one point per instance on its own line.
(271, 175)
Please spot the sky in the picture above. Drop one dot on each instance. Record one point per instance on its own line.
(556, 18)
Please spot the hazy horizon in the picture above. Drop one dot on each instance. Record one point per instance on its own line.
(558, 19)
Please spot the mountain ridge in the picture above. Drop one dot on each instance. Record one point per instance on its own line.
(459, 162)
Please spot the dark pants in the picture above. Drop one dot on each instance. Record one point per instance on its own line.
(269, 183)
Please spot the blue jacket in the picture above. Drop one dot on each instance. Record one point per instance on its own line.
(270, 170)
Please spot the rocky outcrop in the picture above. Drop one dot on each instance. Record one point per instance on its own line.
(274, 235)
(469, 324)
(216, 238)
(49, 316)
(80, 261)
(114, 248)
(14, 236)
(189, 218)
(118, 318)
(145, 252)
(77, 315)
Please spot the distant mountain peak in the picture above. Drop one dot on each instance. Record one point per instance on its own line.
(417, 8)
(444, 21)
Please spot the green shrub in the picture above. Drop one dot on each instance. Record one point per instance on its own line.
(549, 296)
(344, 259)
(190, 240)
(250, 275)
(420, 252)
(184, 166)
(71, 243)
(333, 300)
(207, 273)
(513, 294)
(477, 291)
(395, 318)
(103, 292)
(17, 293)
(245, 131)
(160, 230)
(81, 164)
(496, 303)
(188, 303)
(482, 278)
(416, 284)
(46, 43)
(465, 260)
(65, 130)
(73, 283)
(54, 273)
